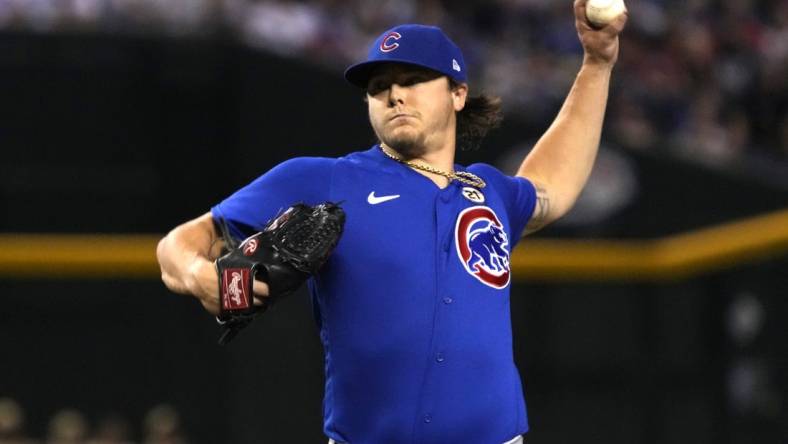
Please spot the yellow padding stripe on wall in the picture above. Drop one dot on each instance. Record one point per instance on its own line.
(668, 258)
(78, 256)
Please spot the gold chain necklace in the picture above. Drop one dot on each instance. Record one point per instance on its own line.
(460, 176)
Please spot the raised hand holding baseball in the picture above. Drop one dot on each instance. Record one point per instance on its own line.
(598, 23)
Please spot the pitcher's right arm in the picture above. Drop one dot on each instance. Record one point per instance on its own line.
(186, 256)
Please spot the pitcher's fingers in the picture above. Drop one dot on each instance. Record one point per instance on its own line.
(581, 20)
(580, 8)
(617, 25)
(260, 288)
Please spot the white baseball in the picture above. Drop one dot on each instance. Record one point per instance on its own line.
(602, 12)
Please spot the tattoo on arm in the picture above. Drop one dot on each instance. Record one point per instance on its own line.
(541, 211)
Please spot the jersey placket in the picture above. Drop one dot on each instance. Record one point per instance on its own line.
(430, 421)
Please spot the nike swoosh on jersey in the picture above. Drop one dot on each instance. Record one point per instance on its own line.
(374, 200)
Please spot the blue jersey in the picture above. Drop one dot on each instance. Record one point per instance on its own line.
(413, 305)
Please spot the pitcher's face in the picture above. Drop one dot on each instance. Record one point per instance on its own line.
(411, 107)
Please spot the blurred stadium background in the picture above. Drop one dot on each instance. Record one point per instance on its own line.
(654, 313)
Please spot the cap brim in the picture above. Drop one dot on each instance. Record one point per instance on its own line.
(360, 73)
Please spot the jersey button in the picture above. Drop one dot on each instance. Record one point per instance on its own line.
(447, 300)
(427, 419)
(439, 357)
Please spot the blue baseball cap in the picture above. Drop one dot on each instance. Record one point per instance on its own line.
(420, 45)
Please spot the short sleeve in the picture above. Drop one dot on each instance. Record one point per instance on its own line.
(302, 179)
(518, 195)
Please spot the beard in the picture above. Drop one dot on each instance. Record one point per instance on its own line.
(408, 146)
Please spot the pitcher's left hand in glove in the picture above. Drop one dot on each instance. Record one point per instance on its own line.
(290, 248)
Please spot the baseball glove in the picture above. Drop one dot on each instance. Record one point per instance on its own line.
(292, 247)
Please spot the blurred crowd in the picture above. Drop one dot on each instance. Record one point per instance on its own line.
(701, 79)
(161, 425)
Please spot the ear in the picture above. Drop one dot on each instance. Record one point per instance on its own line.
(459, 93)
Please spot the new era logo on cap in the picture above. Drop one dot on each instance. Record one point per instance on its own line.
(420, 45)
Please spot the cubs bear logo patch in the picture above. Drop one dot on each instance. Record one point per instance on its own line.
(483, 246)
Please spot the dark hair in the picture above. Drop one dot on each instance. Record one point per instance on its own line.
(481, 114)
